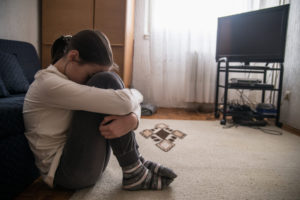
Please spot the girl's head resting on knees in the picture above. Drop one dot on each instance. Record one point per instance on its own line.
(81, 56)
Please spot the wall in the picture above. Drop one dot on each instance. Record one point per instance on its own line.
(19, 20)
(290, 110)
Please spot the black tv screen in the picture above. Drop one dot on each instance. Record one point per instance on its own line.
(257, 36)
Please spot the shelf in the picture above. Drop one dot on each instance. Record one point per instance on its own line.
(228, 69)
(250, 67)
(247, 67)
(249, 87)
(255, 115)
(244, 71)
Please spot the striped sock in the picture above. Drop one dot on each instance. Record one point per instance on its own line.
(158, 169)
(138, 177)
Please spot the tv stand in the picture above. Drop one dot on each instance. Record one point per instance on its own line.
(246, 68)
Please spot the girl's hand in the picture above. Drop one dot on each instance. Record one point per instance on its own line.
(115, 126)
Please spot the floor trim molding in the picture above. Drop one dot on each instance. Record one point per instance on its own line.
(291, 129)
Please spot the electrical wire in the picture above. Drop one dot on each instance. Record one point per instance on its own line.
(268, 131)
(231, 124)
(275, 83)
(272, 81)
(243, 96)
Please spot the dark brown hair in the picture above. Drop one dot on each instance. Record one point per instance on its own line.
(93, 47)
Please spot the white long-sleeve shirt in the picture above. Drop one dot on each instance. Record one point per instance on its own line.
(48, 108)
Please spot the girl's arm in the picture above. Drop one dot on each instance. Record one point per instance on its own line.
(57, 92)
(118, 126)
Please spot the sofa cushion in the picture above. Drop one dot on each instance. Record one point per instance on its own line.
(26, 56)
(3, 90)
(12, 74)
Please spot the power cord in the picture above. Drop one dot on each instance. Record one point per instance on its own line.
(268, 131)
(231, 124)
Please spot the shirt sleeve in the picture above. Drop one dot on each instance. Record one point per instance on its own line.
(62, 93)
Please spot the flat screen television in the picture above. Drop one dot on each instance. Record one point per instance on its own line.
(257, 36)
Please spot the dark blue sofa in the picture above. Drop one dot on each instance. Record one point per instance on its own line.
(17, 168)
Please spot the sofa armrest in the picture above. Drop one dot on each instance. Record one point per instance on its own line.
(11, 116)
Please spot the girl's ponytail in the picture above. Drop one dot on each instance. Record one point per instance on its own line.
(59, 48)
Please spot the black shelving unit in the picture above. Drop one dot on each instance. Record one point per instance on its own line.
(246, 68)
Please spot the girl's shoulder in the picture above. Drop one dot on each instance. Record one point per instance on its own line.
(50, 72)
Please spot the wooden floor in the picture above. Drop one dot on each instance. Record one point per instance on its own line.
(38, 190)
(180, 114)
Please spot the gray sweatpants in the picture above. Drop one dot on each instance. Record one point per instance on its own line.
(86, 152)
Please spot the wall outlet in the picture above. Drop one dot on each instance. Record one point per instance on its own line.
(287, 95)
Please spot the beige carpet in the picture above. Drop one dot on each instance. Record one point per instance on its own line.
(213, 163)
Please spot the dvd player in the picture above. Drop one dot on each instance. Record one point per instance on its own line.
(244, 81)
(251, 86)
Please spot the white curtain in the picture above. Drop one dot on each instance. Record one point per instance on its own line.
(175, 64)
